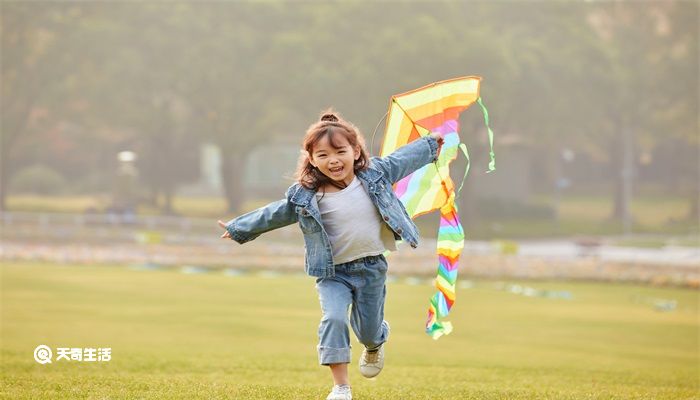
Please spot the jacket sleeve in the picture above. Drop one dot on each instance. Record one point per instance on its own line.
(408, 158)
(253, 224)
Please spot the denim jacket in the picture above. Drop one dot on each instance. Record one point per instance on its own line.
(300, 205)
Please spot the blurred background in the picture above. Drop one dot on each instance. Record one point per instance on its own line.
(129, 128)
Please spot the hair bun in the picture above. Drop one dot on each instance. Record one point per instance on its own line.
(329, 117)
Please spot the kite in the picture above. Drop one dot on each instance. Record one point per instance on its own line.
(436, 108)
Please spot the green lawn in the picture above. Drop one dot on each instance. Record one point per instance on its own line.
(212, 336)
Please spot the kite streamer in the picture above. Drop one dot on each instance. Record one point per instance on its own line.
(436, 108)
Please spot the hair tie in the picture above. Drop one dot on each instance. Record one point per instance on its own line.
(329, 117)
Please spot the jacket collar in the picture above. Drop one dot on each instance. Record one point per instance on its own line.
(302, 196)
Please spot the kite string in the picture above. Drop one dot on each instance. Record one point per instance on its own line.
(371, 143)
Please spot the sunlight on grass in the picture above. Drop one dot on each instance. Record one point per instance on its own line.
(176, 335)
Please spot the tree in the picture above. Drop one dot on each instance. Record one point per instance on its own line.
(639, 44)
(32, 68)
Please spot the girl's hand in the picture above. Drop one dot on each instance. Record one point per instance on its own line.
(440, 140)
(226, 234)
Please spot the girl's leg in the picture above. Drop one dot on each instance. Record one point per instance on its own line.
(367, 316)
(340, 374)
(334, 337)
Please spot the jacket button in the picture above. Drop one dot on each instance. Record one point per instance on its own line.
(399, 231)
(304, 212)
(386, 218)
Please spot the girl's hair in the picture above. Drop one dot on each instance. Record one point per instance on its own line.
(329, 124)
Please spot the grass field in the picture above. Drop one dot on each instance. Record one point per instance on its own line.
(211, 336)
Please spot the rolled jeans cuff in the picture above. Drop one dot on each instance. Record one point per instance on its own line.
(330, 355)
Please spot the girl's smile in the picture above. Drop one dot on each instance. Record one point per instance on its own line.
(335, 159)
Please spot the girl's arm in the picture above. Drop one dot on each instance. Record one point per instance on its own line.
(410, 157)
(253, 224)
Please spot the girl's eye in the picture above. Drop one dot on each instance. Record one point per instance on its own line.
(341, 152)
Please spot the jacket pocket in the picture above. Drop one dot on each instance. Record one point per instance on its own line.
(384, 194)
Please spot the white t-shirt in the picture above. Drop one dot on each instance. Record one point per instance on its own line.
(354, 226)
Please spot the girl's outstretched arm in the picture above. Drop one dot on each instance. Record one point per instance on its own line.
(410, 157)
(253, 224)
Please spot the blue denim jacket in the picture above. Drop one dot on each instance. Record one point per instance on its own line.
(300, 205)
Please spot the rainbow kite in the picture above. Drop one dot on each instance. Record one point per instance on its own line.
(436, 108)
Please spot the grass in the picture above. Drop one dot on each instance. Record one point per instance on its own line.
(648, 210)
(210, 336)
(590, 215)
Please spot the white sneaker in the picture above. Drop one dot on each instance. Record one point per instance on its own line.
(372, 362)
(340, 392)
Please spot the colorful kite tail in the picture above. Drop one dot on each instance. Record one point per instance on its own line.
(450, 243)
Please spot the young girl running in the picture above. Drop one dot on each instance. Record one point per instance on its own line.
(349, 216)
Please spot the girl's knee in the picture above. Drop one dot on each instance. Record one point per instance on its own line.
(334, 318)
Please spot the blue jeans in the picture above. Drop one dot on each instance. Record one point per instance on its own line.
(360, 283)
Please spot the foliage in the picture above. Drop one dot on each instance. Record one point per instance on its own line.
(38, 179)
(82, 81)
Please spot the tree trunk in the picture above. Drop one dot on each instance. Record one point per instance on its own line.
(232, 173)
(622, 157)
(168, 201)
(694, 213)
(4, 175)
(5, 167)
(153, 195)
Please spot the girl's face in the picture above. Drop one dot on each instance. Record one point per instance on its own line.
(336, 163)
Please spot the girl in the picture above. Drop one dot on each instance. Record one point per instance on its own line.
(349, 216)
